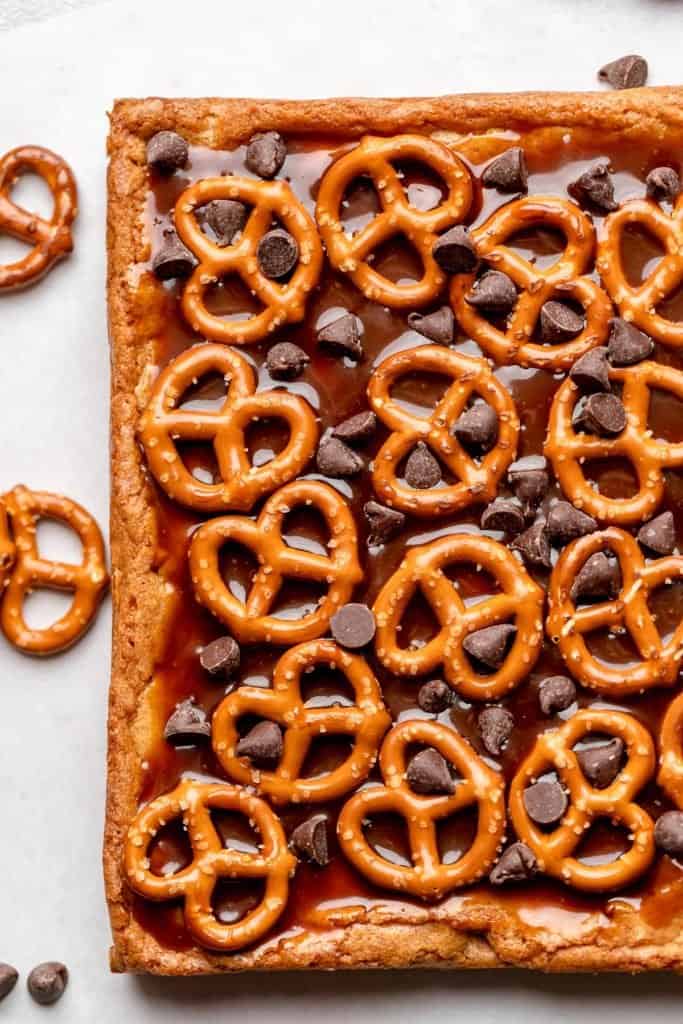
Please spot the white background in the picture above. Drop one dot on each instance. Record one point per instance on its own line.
(62, 62)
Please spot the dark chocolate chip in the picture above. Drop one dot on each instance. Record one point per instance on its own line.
(8, 979)
(173, 259)
(504, 515)
(455, 252)
(353, 626)
(167, 152)
(262, 745)
(490, 645)
(309, 840)
(46, 982)
(434, 696)
(627, 345)
(494, 291)
(602, 414)
(529, 479)
(559, 322)
(556, 693)
(590, 372)
(669, 833)
(517, 864)
(428, 772)
(422, 470)
(508, 172)
(225, 217)
(495, 726)
(187, 725)
(438, 326)
(594, 188)
(286, 361)
(221, 657)
(477, 428)
(659, 535)
(384, 522)
(533, 546)
(357, 429)
(629, 72)
(335, 458)
(601, 765)
(277, 253)
(545, 802)
(599, 576)
(663, 183)
(266, 152)
(566, 523)
(342, 337)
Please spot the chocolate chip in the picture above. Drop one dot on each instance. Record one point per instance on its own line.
(629, 72)
(477, 427)
(286, 361)
(594, 188)
(434, 696)
(508, 172)
(566, 523)
(559, 322)
(601, 765)
(517, 864)
(556, 693)
(277, 253)
(187, 725)
(669, 833)
(494, 292)
(422, 470)
(627, 345)
(490, 645)
(663, 183)
(266, 152)
(262, 745)
(309, 839)
(590, 372)
(384, 522)
(495, 726)
(335, 458)
(225, 217)
(428, 773)
(221, 657)
(599, 576)
(353, 626)
(8, 979)
(529, 479)
(342, 337)
(533, 546)
(438, 326)
(600, 414)
(167, 152)
(357, 429)
(46, 982)
(455, 252)
(545, 802)
(659, 534)
(173, 259)
(503, 515)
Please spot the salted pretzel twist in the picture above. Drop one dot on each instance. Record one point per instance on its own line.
(553, 850)
(477, 784)
(251, 621)
(364, 722)
(562, 280)
(477, 481)
(211, 861)
(374, 157)
(568, 625)
(670, 776)
(241, 483)
(567, 448)
(51, 239)
(8, 550)
(423, 569)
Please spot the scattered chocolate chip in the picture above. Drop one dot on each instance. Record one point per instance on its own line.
(173, 259)
(353, 626)
(594, 188)
(335, 458)
(357, 429)
(422, 470)
(669, 833)
(277, 253)
(286, 361)
(545, 802)
(262, 745)
(494, 292)
(221, 657)
(46, 982)
(556, 693)
(566, 523)
(503, 515)
(627, 345)
(529, 479)
(508, 172)
(455, 252)
(167, 152)
(495, 726)
(477, 427)
(599, 576)
(659, 535)
(517, 864)
(266, 152)
(428, 772)
(533, 546)
(384, 522)
(187, 725)
(601, 765)
(629, 72)
(434, 696)
(342, 337)
(590, 372)
(601, 414)
(225, 217)
(490, 645)
(559, 322)
(438, 326)
(8, 979)
(663, 183)
(309, 839)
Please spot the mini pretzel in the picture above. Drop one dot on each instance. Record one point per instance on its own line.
(374, 158)
(51, 239)
(365, 722)
(211, 861)
(568, 448)
(553, 749)
(8, 549)
(251, 621)
(561, 280)
(670, 776)
(88, 580)
(520, 600)
(477, 481)
(429, 877)
(241, 484)
(567, 625)
(638, 303)
(283, 303)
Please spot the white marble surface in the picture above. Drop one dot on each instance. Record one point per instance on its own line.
(63, 61)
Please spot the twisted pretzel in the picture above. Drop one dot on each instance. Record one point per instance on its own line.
(429, 877)
(88, 580)
(567, 448)
(374, 158)
(50, 239)
(477, 481)
(553, 749)
(563, 279)
(284, 303)
(211, 860)
(567, 625)
(8, 549)
(670, 776)
(423, 567)
(242, 484)
(251, 621)
(365, 722)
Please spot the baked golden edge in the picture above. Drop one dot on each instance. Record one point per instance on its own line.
(476, 935)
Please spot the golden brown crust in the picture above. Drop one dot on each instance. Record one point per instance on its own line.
(476, 930)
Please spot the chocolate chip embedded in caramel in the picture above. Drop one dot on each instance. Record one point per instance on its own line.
(455, 252)
(566, 523)
(559, 322)
(8, 979)
(353, 626)
(428, 773)
(599, 577)
(187, 725)
(422, 470)
(173, 259)
(503, 515)
(335, 458)
(663, 183)
(594, 189)
(342, 337)
(167, 152)
(384, 522)
(262, 745)
(277, 253)
(669, 833)
(434, 696)
(309, 839)
(629, 72)
(529, 479)
(490, 645)
(627, 345)
(46, 982)
(495, 727)
(225, 217)
(357, 429)
(533, 546)
(221, 657)
(494, 292)
(266, 152)
(545, 802)
(601, 765)
(659, 535)
(602, 414)
(508, 172)
(477, 428)
(556, 693)
(438, 326)
(590, 372)
(517, 864)
(286, 361)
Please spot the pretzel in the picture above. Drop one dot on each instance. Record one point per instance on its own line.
(638, 303)
(670, 776)
(561, 280)
(374, 157)
(566, 625)
(553, 850)
(242, 484)
(283, 303)
(568, 448)
(88, 580)
(423, 568)
(251, 621)
(211, 860)
(365, 722)
(477, 481)
(429, 877)
(8, 549)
